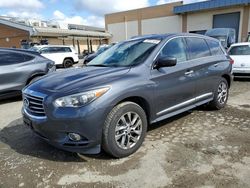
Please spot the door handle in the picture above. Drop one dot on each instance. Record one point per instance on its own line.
(216, 65)
(189, 72)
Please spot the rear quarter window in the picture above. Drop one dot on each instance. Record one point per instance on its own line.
(198, 48)
(215, 47)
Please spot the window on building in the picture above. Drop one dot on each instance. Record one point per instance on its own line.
(198, 47)
(175, 48)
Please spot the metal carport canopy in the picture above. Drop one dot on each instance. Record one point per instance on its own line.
(206, 5)
(57, 32)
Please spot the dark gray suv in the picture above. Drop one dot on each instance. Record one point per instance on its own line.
(18, 68)
(110, 103)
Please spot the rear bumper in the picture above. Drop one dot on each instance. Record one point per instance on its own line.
(241, 72)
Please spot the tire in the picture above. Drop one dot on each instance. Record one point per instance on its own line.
(133, 133)
(67, 63)
(220, 95)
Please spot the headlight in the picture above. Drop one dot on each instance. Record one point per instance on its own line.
(80, 99)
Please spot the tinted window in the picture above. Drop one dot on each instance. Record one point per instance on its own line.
(215, 47)
(67, 50)
(9, 58)
(197, 48)
(240, 50)
(175, 48)
(28, 57)
(45, 50)
(59, 49)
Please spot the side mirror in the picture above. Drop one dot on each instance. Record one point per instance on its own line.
(165, 61)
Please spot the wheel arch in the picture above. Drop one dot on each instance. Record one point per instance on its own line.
(142, 102)
(228, 79)
(70, 58)
(34, 75)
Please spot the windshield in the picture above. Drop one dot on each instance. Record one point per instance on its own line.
(125, 54)
(100, 50)
(240, 50)
(34, 49)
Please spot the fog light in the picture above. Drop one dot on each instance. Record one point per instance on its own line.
(74, 137)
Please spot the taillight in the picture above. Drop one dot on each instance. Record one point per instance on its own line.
(231, 61)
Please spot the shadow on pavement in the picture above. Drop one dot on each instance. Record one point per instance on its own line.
(25, 142)
(22, 140)
(11, 99)
(242, 79)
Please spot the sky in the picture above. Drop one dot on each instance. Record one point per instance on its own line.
(86, 12)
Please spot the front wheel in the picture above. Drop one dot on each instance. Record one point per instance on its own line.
(124, 129)
(220, 95)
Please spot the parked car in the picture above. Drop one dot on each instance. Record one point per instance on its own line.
(18, 68)
(227, 36)
(90, 57)
(240, 53)
(64, 56)
(110, 103)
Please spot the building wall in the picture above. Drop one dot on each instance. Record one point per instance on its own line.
(11, 37)
(162, 25)
(69, 42)
(124, 25)
(204, 20)
(123, 31)
(161, 19)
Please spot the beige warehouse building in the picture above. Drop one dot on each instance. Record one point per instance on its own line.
(179, 17)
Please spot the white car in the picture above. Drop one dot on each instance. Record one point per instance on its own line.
(240, 53)
(64, 56)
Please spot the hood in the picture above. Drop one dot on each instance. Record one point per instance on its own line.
(241, 61)
(78, 79)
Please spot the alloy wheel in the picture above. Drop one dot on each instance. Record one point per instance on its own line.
(128, 130)
(222, 93)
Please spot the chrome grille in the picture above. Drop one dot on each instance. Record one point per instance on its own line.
(34, 105)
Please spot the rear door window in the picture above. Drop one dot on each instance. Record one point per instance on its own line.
(10, 58)
(175, 48)
(198, 48)
(215, 47)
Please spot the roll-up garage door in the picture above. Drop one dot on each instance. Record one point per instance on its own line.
(229, 20)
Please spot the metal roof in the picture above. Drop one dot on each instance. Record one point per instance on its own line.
(206, 5)
(17, 25)
(56, 32)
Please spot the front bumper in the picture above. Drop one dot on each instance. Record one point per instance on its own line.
(54, 130)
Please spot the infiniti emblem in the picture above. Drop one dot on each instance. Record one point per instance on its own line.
(26, 103)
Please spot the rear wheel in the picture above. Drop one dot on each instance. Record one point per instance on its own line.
(67, 63)
(220, 95)
(124, 129)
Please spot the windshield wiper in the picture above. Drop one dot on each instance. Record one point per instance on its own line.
(97, 65)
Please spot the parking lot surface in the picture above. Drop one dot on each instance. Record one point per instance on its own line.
(199, 148)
